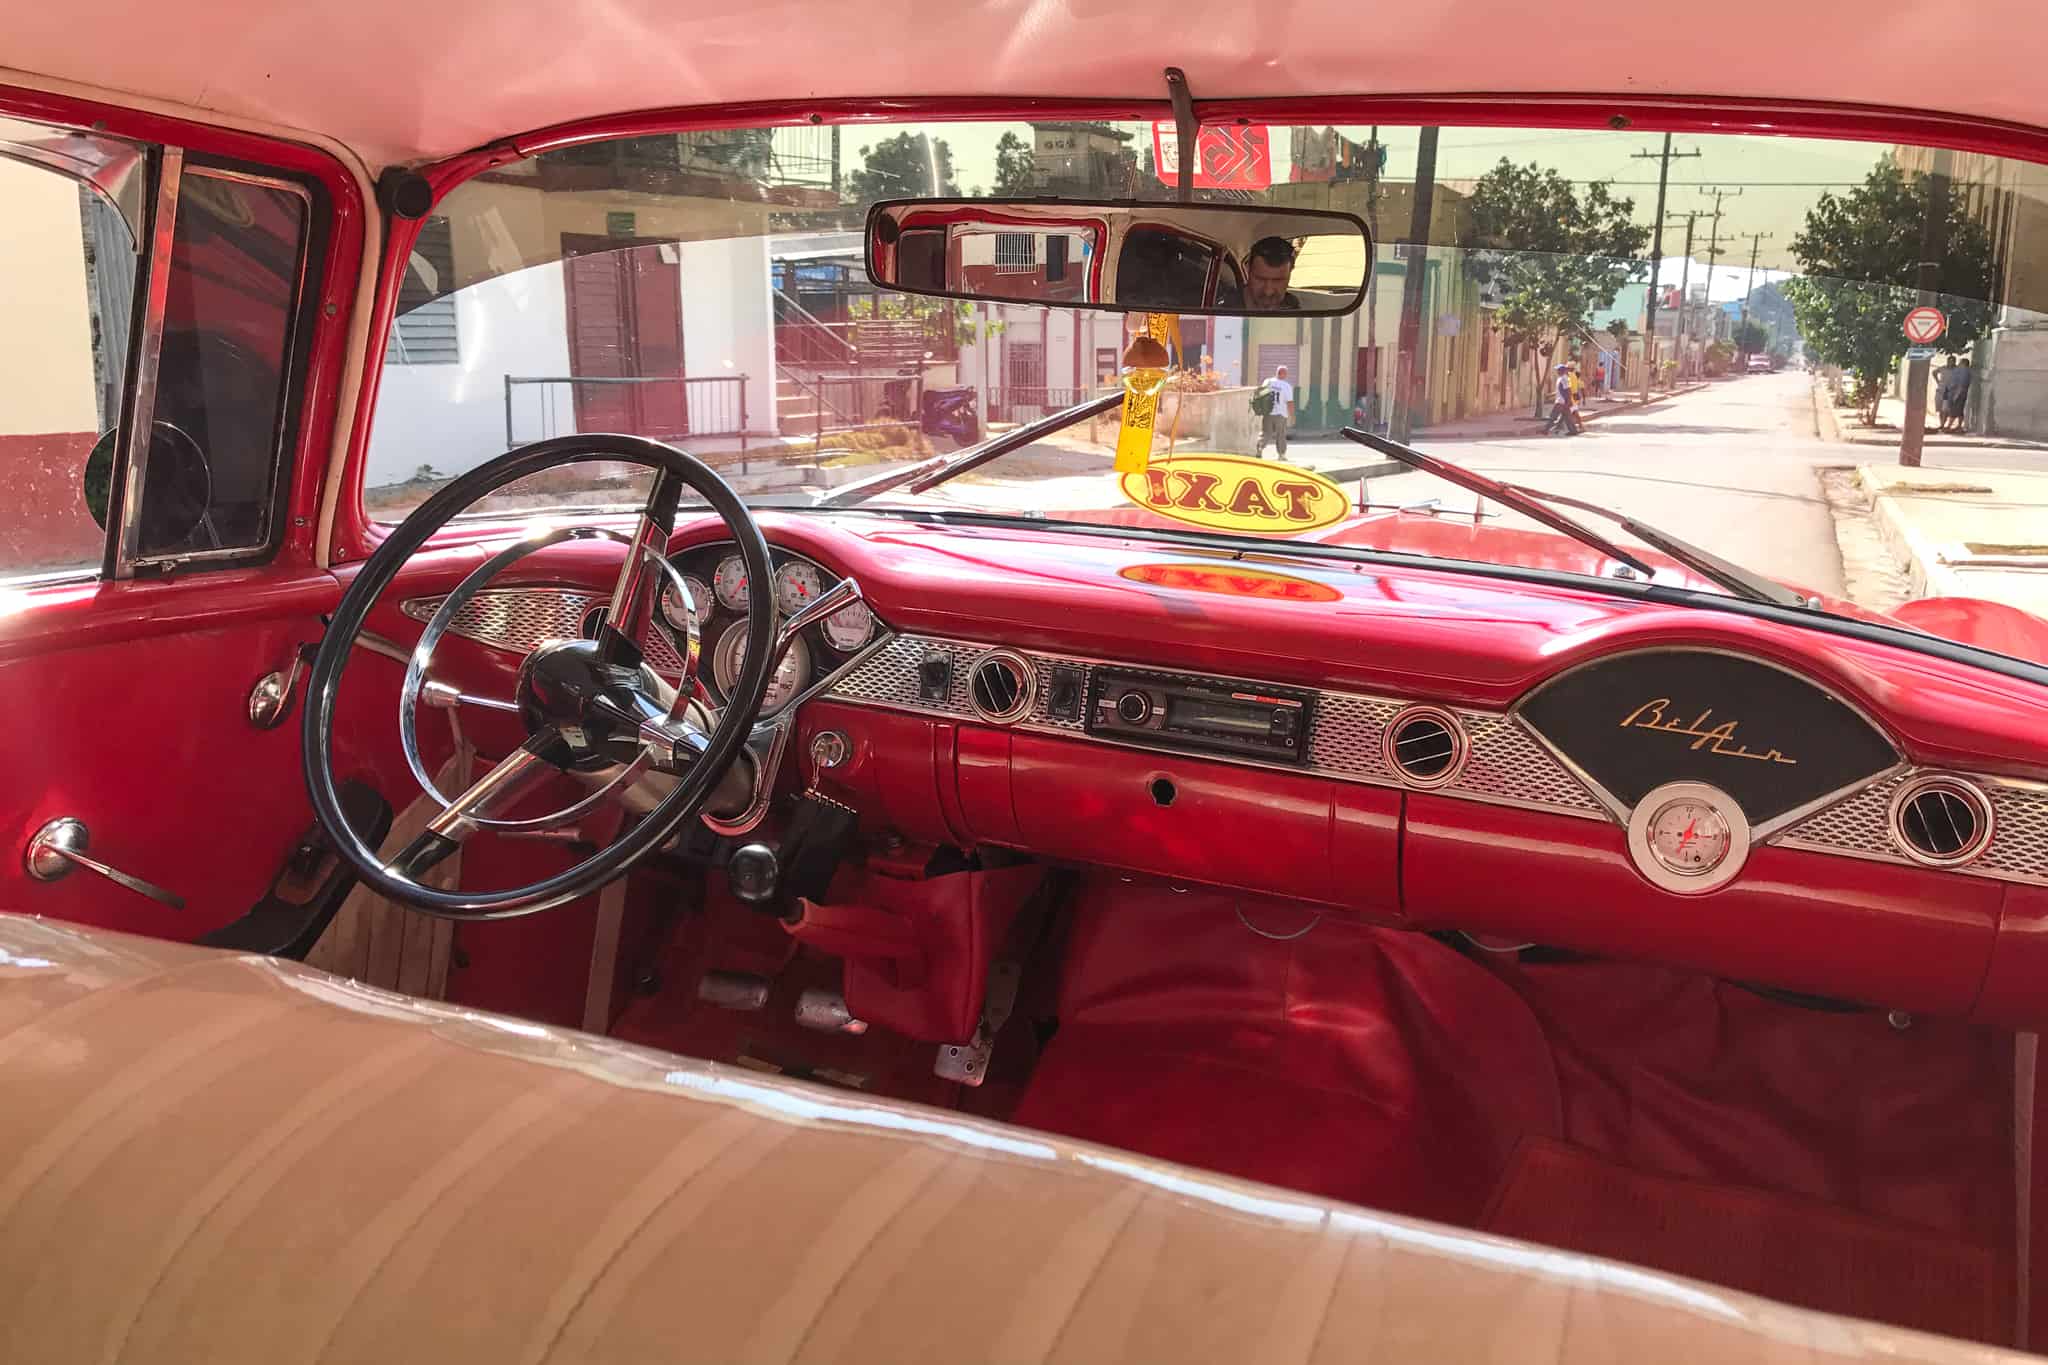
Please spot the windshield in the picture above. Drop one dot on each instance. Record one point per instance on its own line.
(1739, 371)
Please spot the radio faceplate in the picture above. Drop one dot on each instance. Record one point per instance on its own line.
(1172, 711)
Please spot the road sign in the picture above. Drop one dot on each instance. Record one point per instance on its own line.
(1925, 324)
(1226, 157)
(1919, 353)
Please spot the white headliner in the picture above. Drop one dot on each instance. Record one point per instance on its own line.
(413, 79)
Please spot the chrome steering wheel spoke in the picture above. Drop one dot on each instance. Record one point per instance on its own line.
(633, 599)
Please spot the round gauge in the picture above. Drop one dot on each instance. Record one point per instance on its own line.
(1688, 837)
(729, 583)
(700, 603)
(796, 585)
(850, 627)
(790, 678)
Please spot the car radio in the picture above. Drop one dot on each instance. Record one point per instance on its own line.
(1171, 712)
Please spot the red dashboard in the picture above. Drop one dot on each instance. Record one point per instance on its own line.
(1528, 828)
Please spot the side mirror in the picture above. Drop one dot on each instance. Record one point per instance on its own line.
(1232, 260)
(177, 491)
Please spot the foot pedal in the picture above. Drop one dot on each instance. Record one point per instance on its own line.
(309, 890)
(733, 990)
(967, 1062)
(826, 1012)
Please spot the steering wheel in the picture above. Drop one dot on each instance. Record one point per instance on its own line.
(590, 707)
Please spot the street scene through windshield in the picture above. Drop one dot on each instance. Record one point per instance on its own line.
(1823, 361)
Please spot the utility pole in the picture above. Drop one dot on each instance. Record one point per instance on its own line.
(1663, 160)
(1755, 239)
(1933, 243)
(1714, 234)
(1691, 216)
(1406, 389)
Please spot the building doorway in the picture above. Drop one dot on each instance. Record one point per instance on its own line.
(625, 303)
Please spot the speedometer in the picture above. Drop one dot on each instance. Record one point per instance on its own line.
(730, 583)
(791, 676)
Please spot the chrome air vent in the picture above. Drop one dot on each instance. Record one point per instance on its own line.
(1426, 745)
(1941, 821)
(1001, 686)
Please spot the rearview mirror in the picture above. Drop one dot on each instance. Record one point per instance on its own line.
(1235, 260)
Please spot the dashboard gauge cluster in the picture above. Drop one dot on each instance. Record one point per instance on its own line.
(715, 578)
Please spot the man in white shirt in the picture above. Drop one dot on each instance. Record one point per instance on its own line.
(1278, 414)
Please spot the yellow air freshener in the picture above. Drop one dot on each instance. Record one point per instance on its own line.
(1145, 362)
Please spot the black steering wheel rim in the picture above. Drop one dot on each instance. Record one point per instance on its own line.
(381, 569)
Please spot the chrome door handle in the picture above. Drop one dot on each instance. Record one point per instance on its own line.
(60, 846)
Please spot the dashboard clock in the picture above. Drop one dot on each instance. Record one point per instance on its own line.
(1688, 837)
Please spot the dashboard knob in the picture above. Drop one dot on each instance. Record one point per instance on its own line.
(829, 749)
(1134, 707)
(753, 872)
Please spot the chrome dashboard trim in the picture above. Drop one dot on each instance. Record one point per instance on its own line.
(1346, 736)
(1859, 826)
(1961, 788)
(1461, 745)
(518, 620)
(1509, 762)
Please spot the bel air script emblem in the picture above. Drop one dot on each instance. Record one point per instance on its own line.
(1717, 739)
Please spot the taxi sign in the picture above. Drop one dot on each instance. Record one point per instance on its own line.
(1236, 493)
(1925, 324)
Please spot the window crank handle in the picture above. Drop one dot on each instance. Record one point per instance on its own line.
(60, 846)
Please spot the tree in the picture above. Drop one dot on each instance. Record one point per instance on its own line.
(1551, 255)
(1015, 166)
(906, 166)
(1750, 337)
(1859, 253)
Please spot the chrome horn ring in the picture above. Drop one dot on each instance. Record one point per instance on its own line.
(452, 605)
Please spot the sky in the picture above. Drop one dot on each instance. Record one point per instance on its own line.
(1773, 180)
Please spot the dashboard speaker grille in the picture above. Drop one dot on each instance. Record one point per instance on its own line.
(1001, 686)
(1941, 820)
(1426, 746)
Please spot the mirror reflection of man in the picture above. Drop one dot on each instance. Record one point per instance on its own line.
(1267, 269)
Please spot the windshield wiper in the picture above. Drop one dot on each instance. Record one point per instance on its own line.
(928, 474)
(1530, 503)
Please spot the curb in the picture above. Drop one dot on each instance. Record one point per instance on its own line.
(1905, 545)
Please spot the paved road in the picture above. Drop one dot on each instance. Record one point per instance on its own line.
(1733, 467)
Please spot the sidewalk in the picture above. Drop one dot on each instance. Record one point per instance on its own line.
(1520, 422)
(1965, 532)
(1845, 425)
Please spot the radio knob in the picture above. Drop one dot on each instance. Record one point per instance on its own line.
(1134, 708)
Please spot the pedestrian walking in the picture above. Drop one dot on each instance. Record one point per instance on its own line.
(1273, 401)
(1959, 393)
(1561, 416)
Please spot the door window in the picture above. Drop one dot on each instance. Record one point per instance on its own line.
(217, 355)
(67, 279)
(211, 487)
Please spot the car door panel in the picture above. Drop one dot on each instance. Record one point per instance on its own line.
(146, 737)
